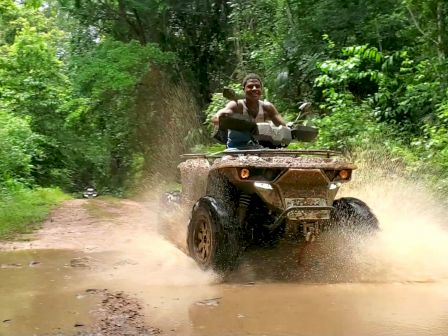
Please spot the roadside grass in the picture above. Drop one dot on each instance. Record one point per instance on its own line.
(23, 209)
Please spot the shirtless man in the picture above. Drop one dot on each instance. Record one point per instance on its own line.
(257, 110)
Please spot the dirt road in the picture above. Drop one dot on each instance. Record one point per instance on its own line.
(100, 247)
(115, 267)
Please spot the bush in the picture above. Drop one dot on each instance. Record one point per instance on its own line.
(22, 208)
(17, 146)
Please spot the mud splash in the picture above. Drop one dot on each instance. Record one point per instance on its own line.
(128, 232)
(146, 247)
(413, 242)
(412, 245)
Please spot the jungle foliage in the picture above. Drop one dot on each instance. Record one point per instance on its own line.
(87, 86)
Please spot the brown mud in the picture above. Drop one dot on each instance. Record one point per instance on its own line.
(119, 314)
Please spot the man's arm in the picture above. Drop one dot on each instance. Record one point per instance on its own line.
(230, 108)
(273, 114)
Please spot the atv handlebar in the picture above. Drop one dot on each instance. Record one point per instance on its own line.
(239, 122)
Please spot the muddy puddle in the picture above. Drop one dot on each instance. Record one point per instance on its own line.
(42, 293)
(274, 293)
(341, 309)
(56, 292)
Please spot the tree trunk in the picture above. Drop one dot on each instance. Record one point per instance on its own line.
(441, 31)
(135, 27)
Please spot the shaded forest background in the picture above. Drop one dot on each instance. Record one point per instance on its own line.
(105, 93)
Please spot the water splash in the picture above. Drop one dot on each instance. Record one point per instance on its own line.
(413, 242)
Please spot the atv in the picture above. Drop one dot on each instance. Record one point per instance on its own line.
(261, 195)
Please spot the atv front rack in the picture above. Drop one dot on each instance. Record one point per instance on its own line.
(265, 152)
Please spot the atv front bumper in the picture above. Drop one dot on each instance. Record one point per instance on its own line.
(323, 210)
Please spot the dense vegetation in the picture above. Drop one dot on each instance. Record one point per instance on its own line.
(107, 93)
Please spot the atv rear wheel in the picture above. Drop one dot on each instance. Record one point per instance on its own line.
(212, 237)
(353, 215)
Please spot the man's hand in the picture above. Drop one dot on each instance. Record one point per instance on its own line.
(220, 113)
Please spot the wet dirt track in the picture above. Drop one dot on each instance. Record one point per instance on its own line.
(114, 274)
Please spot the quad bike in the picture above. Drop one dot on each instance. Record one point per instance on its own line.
(258, 196)
(90, 193)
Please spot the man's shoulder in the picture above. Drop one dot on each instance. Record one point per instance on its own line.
(238, 105)
(233, 105)
(267, 106)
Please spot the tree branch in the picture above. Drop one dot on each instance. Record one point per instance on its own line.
(414, 20)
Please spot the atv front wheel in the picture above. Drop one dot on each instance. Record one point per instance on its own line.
(212, 237)
(170, 199)
(352, 214)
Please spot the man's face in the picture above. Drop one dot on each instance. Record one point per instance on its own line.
(253, 89)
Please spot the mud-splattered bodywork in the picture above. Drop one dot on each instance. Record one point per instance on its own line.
(281, 178)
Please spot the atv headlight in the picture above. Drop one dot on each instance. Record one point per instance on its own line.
(334, 186)
(263, 185)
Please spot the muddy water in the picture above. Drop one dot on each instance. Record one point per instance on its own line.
(392, 283)
(40, 293)
(325, 310)
(275, 296)
(43, 293)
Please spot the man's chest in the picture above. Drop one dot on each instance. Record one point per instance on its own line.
(257, 113)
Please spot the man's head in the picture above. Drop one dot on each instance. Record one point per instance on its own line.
(252, 86)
